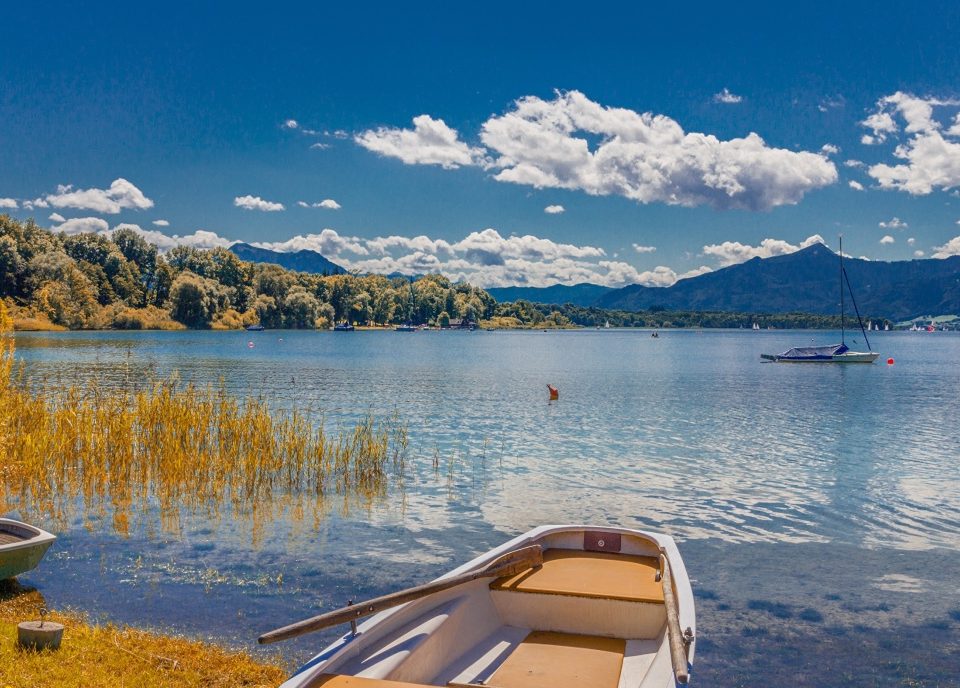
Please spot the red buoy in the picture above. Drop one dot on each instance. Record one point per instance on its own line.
(554, 392)
(889, 361)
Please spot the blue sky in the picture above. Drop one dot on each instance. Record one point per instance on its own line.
(519, 109)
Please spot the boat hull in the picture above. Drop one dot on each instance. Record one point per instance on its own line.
(484, 633)
(22, 546)
(849, 357)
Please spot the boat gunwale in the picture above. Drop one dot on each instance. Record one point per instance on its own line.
(39, 537)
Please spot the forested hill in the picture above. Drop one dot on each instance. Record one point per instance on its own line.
(807, 281)
(98, 281)
(300, 261)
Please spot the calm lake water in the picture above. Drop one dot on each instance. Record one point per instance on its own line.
(817, 507)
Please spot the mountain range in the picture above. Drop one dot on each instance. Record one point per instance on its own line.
(805, 281)
(808, 281)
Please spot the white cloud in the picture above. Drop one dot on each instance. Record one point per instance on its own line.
(121, 194)
(645, 157)
(733, 252)
(291, 124)
(854, 163)
(35, 203)
(911, 241)
(201, 238)
(930, 154)
(57, 217)
(8, 203)
(327, 203)
(951, 248)
(918, 253)
(887, 239)
(831, 103)
(895, 223)
(319, 146)
(81, 225)
(490, 248)
(554, 209)
(430, 142)
(419, 244)
(644, 249)
(328, 242)
(855, 185)
(725, 96)
(161, 223)
(257, 203)
(829, 149)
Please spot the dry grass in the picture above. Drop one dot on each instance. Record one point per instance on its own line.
(172, 449)
(106, 655)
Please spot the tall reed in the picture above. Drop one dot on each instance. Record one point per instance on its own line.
(174, 447)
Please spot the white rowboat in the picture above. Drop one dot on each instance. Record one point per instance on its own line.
(599, 606)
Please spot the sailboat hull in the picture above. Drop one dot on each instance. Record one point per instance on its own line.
(849, 357)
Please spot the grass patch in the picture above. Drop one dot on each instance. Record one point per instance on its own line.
(107, 655)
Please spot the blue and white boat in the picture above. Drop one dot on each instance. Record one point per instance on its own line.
(834, 353)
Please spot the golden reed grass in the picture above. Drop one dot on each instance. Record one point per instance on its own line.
(172, 447)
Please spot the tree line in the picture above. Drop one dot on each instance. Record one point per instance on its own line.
(97, 281)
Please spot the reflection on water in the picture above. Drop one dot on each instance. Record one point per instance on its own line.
(818, 507)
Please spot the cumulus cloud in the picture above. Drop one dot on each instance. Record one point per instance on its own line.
(418, 244)
(8, 203)
(726, 97)
(56, 217)
(929, 153)
(951, 248)
(911, 241)
(328, 242)
(733, 252)
(829, 149)
(201, 238)
(554, 209)
(918, 253)
(895, 223)
(257, 203)
(887, 239)
(81, 225)
(121, 195)
(430, 142)
(327, 203)
(161, 223)
(855, 185)
(644, 249)
(856, 164)
(291, 124)
(571, 142)
(645, 157)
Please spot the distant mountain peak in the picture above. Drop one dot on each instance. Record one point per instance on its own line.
(304, 260)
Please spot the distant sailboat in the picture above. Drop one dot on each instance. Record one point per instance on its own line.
(835, 353)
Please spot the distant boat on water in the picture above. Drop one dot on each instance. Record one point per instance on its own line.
(406, 327)
(834, 353)
(255, 328)
(343, 327)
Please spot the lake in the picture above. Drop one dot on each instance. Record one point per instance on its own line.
(817, 507)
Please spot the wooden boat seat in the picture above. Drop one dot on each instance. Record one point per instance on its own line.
(601, 575)
(344, 681)
(560, 660)
(8, 537)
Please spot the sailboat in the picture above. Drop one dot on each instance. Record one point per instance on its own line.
(834, 353)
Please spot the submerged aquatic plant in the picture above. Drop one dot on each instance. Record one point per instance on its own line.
(171, 447)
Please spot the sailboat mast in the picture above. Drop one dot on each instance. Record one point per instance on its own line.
(841, 292)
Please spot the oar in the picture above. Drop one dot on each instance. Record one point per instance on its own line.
(679, 642)
(510, 564)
